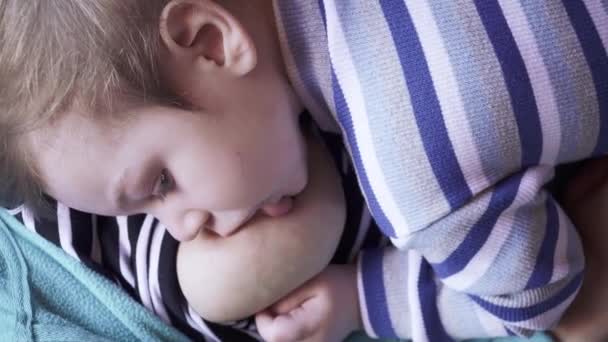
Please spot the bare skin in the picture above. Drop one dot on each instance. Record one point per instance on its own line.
(230, 278)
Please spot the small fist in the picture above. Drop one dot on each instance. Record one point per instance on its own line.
(325, 309)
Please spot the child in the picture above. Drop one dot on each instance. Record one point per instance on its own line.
(137, 253)
(455, 115)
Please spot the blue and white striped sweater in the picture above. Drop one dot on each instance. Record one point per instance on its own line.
(455, 114)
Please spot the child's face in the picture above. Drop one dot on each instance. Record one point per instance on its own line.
(191, 170)
(212, 167)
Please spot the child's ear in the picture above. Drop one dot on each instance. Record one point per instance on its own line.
(209, 35)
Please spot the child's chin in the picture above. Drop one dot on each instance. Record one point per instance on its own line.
(226, 279)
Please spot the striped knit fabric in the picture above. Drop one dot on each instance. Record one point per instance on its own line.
(455, 114)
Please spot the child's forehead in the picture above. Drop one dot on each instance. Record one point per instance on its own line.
(78, 150)
(75, 130)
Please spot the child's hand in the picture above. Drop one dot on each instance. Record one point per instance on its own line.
(326, 308)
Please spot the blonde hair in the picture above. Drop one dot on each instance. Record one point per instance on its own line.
(55, 54)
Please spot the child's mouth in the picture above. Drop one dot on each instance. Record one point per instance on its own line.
(272, 208)
(279, 207)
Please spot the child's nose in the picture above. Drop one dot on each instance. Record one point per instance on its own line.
(193, 221)
(223, 230)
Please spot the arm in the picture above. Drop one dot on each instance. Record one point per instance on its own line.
(507, 262)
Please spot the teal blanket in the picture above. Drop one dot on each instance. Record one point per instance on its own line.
(46, 295)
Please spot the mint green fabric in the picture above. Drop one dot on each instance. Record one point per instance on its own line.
(46, 295)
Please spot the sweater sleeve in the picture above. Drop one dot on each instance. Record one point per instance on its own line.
(508, 262)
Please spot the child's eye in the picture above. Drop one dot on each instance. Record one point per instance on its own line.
(163, 185)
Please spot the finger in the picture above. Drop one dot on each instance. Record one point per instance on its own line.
(296, 325)
(263, 322)
(294, 299)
